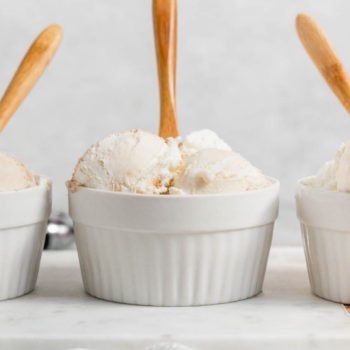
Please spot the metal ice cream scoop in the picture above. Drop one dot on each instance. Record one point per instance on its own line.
(60, 233)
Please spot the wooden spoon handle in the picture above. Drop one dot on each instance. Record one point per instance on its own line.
(324, 57)
(165, 33)
(29, 71)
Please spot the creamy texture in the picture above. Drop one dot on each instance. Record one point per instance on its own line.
(335, 174)
(139, 162)
(203, 139)
(218, 171)
(132, 161)
(14, 175)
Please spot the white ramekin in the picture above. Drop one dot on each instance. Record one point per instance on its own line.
(23, 220)
(325, 225)
(173, 250)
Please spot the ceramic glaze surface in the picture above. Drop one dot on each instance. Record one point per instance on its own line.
(173, 250)
(325, 224)
(23, 220)
(173, 269)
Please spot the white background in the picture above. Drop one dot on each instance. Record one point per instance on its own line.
(241, 72)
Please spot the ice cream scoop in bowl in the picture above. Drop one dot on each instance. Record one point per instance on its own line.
(325, 224)
(144, 245)
(170, 221)
(323, 201)
(25, 199)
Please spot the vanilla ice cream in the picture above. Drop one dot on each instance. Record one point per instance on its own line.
(132, 161)
(14, 175)
(139, 162)
(203, 139)
(218, 171)
(335, 174)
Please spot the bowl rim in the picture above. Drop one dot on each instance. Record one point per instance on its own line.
(320, 190)
(274, 186)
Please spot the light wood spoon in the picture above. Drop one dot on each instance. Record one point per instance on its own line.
(29, 71)
(324, 57)
(165, 34)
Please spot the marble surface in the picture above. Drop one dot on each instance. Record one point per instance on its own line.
(59, 315)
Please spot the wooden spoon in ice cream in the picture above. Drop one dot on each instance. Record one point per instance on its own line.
(29, 71)
(165, 33)
(324, 57)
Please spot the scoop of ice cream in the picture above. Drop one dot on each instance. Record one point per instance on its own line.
(140, 162)
(335, 174)
(203, 139)
(132, 161)
(218, 171)
(14, 175)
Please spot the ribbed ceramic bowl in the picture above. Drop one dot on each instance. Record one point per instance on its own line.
(325, 224)
(23, 220)
(173, 250)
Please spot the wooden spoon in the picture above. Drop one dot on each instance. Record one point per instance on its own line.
(29, 71)
(165, 33)
(324, 57)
